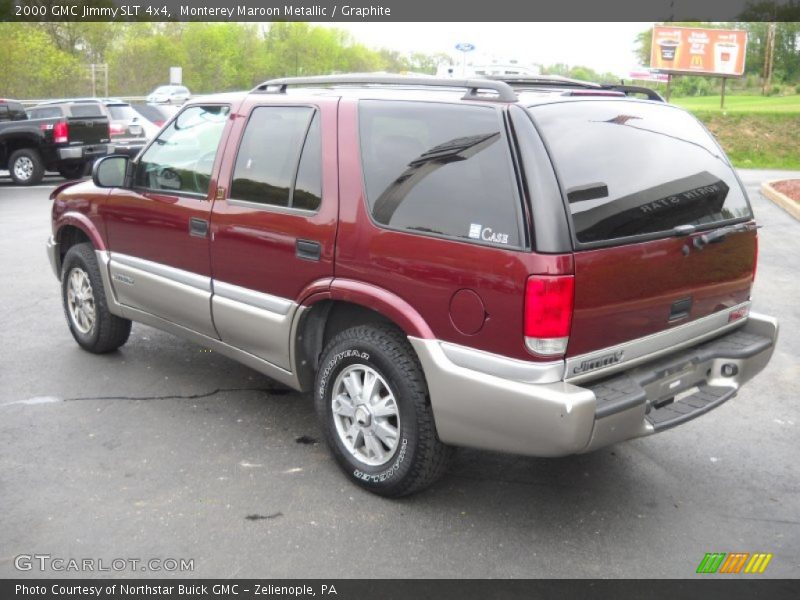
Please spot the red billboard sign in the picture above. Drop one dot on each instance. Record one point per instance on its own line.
(691, 50)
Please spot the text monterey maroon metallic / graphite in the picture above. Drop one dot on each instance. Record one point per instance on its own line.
(535, 267)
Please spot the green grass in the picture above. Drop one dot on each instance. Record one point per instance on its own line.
(742, 104)
(757, 140)
(756, 132)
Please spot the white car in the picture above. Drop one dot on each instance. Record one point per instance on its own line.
(169, 94)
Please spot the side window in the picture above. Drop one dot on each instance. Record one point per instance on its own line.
(308, 187)
(17, 112)
(279, 159)
(45, 113)
(182, 156)
(440, 169)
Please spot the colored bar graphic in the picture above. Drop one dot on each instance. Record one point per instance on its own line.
(711, 562)
(758, 563)
(734, 562)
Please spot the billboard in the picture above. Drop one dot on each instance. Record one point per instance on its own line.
(690, 50)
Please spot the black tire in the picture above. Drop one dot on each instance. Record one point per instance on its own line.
(419, 458)
(72, 170)
(107, 332)
(26, 167)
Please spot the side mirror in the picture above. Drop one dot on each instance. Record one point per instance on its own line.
(110, 171)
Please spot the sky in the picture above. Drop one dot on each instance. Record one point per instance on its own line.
(604, 47)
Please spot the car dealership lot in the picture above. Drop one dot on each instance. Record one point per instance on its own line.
(166, 450)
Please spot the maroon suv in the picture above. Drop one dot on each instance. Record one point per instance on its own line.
(531, 269)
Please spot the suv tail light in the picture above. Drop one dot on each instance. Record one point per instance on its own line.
(548, 313)
(61, 132)
(116, 129)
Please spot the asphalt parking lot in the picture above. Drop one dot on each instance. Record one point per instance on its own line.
(166, 450)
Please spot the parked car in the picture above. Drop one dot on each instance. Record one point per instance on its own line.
(128, 130)
(66, 141)
(169, 94)
(537, 271)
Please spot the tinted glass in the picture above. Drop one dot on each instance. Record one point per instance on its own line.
(17, 112)
(45, 113)
(267, 160)
(441, 169)
(308, 187)
(86, 110)
(634, 168)
(181, 158)
(122, 112)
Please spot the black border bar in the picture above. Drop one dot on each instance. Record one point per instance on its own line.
(400, 10)
(709, 587)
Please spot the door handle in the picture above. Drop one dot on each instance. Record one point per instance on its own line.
(308, 250)
(198, 227)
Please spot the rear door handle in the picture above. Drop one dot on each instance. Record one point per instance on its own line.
(308, 250)
(198, 227)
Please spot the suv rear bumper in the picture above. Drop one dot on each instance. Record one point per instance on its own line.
(82, 152)
(475, 409)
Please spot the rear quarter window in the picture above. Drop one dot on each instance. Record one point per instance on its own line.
(631, 169)
(441, 170)
(45, 113)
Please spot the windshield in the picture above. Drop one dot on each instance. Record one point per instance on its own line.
(632, 169)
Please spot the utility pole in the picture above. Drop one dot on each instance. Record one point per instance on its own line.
(101, 68)
(769, 58)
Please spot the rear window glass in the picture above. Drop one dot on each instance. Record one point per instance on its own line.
(634, 168)
(86, 110)
(122, 112)
(440, 169)
(12, 111)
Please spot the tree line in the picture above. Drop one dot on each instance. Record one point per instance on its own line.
(45, 60)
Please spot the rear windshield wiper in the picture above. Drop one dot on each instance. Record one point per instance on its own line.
(718, 235)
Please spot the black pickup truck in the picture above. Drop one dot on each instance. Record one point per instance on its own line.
(66, 143)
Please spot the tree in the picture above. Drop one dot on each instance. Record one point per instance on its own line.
(33, 67)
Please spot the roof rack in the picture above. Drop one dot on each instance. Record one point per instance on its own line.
(636, 89)
(539, 81)
(522, 81)
(505, 92)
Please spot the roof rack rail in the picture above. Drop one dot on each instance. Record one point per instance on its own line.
(521, 81)
(636, 89)
(505, 93)
(538, 81)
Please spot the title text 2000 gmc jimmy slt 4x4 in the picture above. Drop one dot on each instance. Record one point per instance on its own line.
(531, 269)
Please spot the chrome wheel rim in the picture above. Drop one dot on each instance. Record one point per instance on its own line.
(80, 300)
(366, 415)
(23, 168)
